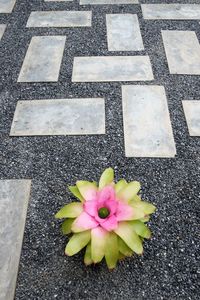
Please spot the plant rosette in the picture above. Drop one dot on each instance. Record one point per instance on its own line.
(108, 221)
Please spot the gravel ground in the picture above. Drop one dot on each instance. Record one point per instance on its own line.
(170, 264)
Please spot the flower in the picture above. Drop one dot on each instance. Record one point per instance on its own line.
(109, 220)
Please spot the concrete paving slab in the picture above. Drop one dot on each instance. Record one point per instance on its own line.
(192, 115)
(6, 6)
(14, 197)
(111, 68)
(94, 2)
(123, 33)
(183, 51)
(43, 59)
(60, 19)
(172, 11)
(147, 126)
(2, 29)
(59, 117)
(58, 0)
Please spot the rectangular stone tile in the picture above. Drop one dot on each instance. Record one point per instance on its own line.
(192, 115)
(43, 59)
(6, 6)
(14, 197)
(183, 51)
(147, 126)
(94, 2)
(171, 11)
(58, 0)
(60, 19)
(123, 33)
(2, 29)
(59, 117)
(111, 68)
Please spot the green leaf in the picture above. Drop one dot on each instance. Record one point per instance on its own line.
(120, 185)
(87, 189)
(77, 242)
(136, 198)
(141, 229)
(129, 191)
(88, 257)
(146, 207)
(137, 212)
(66, 226)
(106, 178)
(145, 219)
(111, 250)
(98, 243)
(121, 256)
(71, 210)
(126, 233)
(75, 191)
(123, 248)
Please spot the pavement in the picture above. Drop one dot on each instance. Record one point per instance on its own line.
(169, 268)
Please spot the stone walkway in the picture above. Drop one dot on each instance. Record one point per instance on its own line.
(86, 85)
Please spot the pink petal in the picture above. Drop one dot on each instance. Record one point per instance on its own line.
(112, 206)
(98, 232)
(108, 193)
(124, 212)
(84, 222)
(110, 223)
(90, 195)
(90, 207)
(109, 204)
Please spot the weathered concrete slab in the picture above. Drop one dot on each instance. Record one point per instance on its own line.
(171, 11)
(2, 29)
(93, 2)
(6, 6)
(192, 115)
(43, 59)
(60, 19)
(183, 51)
(111, 68)
(59, 117)
(123, 33)
(14, 197)
(58, 0)
(147, 126)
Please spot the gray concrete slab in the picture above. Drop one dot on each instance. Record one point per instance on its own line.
(183, 51)
(14, 197)
(94, 2)
(59, 117)
(6, 6)
(2, 29)
(111, 68)
(123, 33)
(173, 11)
(147, 126)
(43, 59)
(60, 19)
(58, 0)
(192, 115)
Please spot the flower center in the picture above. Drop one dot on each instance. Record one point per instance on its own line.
(103, 212)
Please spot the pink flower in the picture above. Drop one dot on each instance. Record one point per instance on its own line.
(105, 210)
(108, 220)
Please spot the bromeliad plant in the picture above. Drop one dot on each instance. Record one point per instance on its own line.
(109, 220)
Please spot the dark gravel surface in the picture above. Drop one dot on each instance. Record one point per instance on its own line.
(170, 265)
